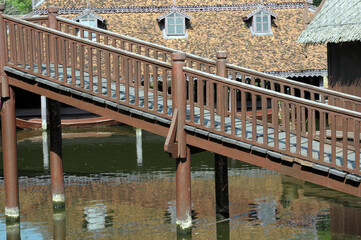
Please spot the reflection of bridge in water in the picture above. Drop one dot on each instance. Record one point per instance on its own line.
(198, 104)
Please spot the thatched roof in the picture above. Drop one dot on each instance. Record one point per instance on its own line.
(338, 21)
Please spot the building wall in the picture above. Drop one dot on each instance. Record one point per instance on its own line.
(344, 67)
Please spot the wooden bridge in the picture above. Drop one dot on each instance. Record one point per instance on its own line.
(198, 104)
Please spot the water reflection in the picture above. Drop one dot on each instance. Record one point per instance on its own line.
(59, 228)
(110, 196)
(13, 232)
(45, 150)
(138, 134)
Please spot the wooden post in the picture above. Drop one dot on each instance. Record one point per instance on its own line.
(220, 162)
(8, 127)
(56, 165)
(183, 175)
(183, 193)
(56, 154)
(221, 71)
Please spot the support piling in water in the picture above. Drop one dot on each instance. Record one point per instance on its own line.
(221, 186)
(139, 147)
(56, 165)
(8, 123)
(8, 128)
(183, 192)
(44, 122)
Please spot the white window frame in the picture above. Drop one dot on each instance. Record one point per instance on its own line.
(85, 21)
(175, 16)
(254, 24)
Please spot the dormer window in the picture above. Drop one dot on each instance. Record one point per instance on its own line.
(174, 24)
(262, 22)
(259, 20)
(90, 19)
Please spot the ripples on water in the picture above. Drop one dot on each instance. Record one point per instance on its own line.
(115, 190)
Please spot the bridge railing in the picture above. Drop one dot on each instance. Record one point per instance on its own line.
(291, 127)
(305, 129)
(90, 67)
(237, 73)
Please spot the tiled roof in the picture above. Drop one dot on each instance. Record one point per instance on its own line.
(157, 3)
(213, 31)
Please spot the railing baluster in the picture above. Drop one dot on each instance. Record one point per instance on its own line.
(191, 98)
(56, 58)
(165, 90)
(200, 100)
(322, 135)
(73, 63)
(298, 131)
(155, 88)
(39, 53)
(136, 82)
(127, 70)
(211, 103)
(233, 110)
(116, 76)
(146, 85)
(22, 45)
(47, 54)
(357, 145)
(90, 68)
(286, 120)
(108, 72)
(264, 119)
(303, 114)
(254, 116)
(81, 63)
(244, 113)
(344, 141)
(310, 132)
(65, 60)
(32, 49)
(333, 139)
(275, 121)
(99, 72)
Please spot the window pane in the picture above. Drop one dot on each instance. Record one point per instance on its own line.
(180, 29)
(178, 15)
(92, 23)
(265, 27)
(170, 20)
(179, 21)
(170, 29)
(258, 19)
(258, 27)
(265, 18)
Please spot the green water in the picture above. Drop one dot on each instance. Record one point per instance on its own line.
(114, 193)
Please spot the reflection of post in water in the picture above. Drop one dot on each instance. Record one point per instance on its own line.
(96, 217)
(45, 150)
(221, 186)
(59, 228)
(138, 134)
(223, 230)
(184, 233)
(13, 231)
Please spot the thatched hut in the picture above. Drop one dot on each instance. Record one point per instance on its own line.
(338, 24)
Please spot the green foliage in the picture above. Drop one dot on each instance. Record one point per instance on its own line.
(317, 2)
(18, 7)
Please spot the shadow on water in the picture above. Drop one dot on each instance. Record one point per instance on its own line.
(121, 185)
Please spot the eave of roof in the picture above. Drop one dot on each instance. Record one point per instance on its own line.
(338, 21)
(259, 9)
(174, 10)
(88, 12)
